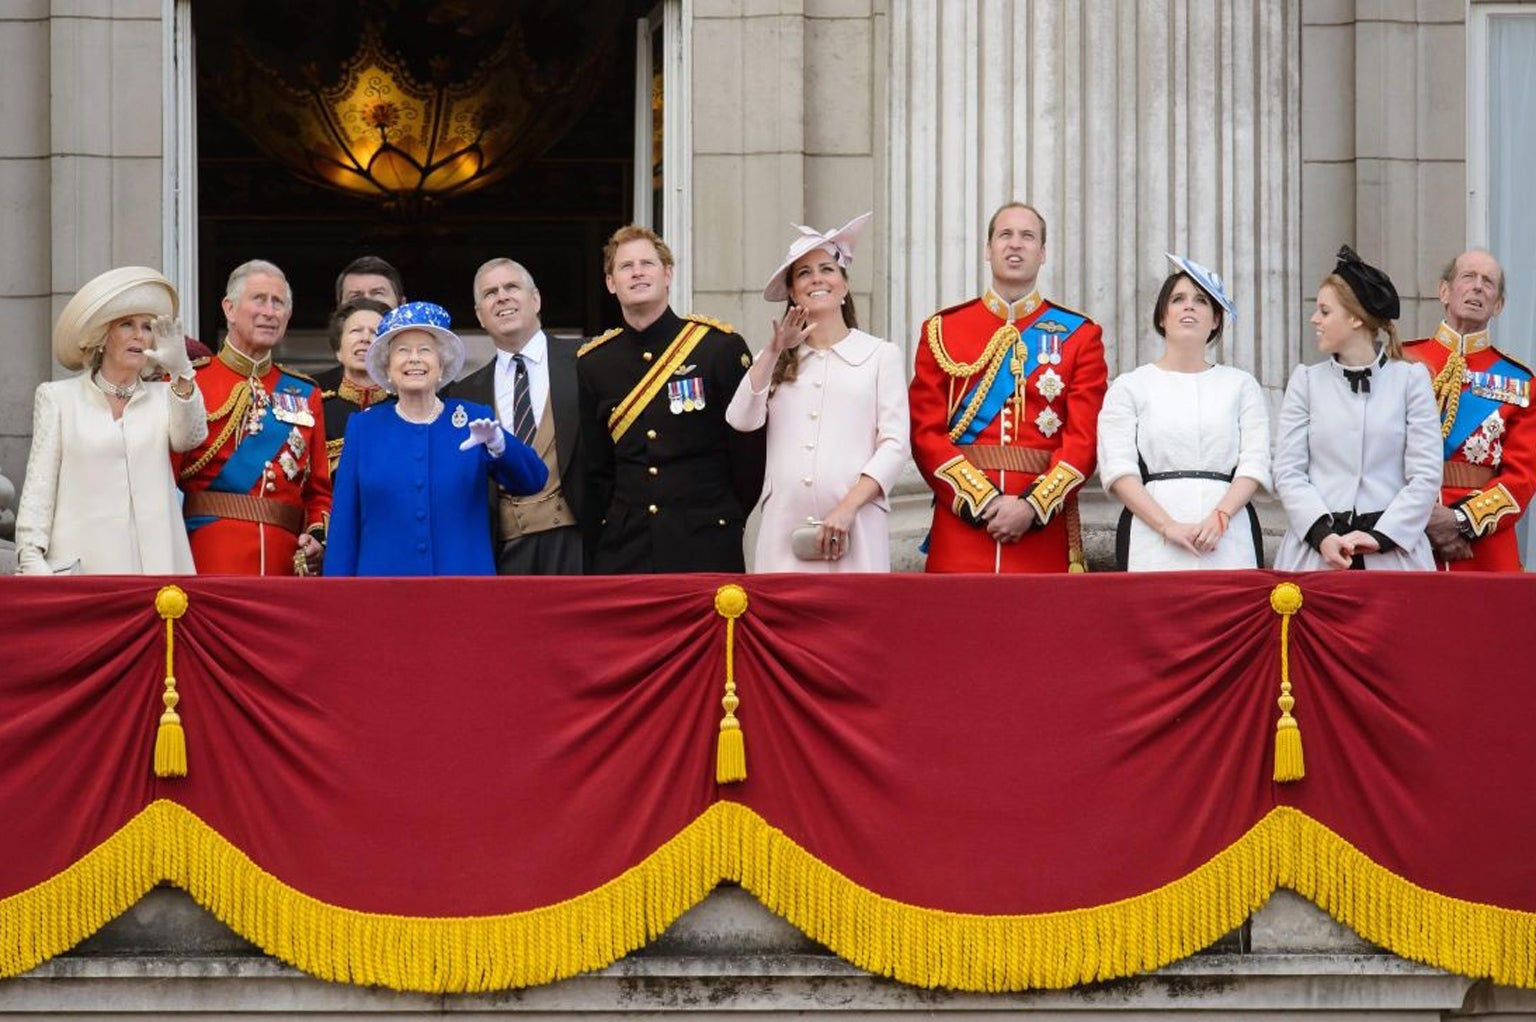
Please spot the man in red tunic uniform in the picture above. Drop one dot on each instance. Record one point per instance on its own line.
(1485, 420)
(1005, 408)
(258, 490)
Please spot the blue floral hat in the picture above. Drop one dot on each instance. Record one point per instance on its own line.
(428, 317)
(1209, 281)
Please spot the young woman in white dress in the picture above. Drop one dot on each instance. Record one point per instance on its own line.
(1184, 442)
(1357, 459)
(99, 497)
(835, 400)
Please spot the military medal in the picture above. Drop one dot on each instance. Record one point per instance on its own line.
(1050, 385)
(296, 443)
(256, 414)
(292, 407)
(696, 385)
(460, 417)
(289, 464)
(675, 397)
(1047, 422)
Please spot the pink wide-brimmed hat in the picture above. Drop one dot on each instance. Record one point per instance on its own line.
(839, 242)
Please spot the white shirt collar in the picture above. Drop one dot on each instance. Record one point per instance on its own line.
(535, 351)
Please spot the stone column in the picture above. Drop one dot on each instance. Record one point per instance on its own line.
(24, 224)
(786, 124)
(1165, 125)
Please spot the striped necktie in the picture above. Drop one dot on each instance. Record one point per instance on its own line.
(522, 405)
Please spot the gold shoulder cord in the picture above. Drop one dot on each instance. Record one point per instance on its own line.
(1447, 384)
(234, 409)
(992, 356)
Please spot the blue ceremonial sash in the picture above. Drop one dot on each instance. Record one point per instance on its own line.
(245, 467)
(1474, 408)
(1037, 342)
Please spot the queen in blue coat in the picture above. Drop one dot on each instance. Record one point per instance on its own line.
(410, 489)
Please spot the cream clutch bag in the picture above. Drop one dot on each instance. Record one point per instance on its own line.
(803, 544)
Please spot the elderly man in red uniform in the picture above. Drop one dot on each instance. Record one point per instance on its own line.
(1005, 408)
(258, 490)
(1485, 420)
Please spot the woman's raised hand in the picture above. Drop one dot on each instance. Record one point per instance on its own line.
(791, 331)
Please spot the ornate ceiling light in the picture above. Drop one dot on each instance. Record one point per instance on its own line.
(375, 129)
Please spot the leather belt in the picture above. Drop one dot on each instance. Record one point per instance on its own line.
(995, 458)
(217, 504)
(1187, 473)
(1464, 475)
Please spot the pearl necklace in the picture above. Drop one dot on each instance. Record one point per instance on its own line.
(111, 389)
(431, 417)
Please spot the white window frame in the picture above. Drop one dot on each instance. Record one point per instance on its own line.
(676, 20)
(178, 129)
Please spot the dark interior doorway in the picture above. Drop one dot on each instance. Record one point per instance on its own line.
(570, 186)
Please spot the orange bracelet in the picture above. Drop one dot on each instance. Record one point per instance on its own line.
(1224, 518)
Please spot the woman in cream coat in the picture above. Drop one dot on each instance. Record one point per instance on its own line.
(99, 496)
(835, 400)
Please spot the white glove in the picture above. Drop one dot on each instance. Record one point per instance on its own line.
(170, 349)
(487, 432)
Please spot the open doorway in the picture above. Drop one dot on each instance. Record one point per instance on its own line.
(534, 158)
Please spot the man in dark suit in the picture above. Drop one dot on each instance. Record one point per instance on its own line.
(532, 385)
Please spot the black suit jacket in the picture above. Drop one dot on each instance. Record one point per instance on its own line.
(480, 386)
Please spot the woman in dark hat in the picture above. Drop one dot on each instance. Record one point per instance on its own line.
(1357, 460)
(1184, 441)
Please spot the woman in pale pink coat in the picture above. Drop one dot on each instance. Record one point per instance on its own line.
(835, 400)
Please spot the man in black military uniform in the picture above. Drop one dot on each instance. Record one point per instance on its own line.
(668, 482)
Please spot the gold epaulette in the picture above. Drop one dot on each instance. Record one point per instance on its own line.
(296, 374)
(1067, 308)
(326, 395)
(724, 328)
(599, 341)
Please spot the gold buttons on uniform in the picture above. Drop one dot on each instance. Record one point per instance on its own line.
(646, 355)
(653, 509)
(650, 434)
(653, 470)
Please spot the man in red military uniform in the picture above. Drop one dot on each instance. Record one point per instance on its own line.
(1005, 407)
(258, 490)
(1485, 420)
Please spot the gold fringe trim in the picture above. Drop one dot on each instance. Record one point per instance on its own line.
(923, 947)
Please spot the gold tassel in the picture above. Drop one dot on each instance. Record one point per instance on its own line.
(731, 750)
(1285, 600)
(170, 739)
(1077, 564)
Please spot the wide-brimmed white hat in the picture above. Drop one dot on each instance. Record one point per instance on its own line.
(1209, 281)
(839, 242)
(125, 291)
(427, 317)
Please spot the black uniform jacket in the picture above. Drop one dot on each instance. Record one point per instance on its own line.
(673, 493)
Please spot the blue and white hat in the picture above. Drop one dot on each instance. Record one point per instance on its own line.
(428, 317)
(1209, 281)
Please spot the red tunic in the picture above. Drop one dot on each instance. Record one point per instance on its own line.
(1051, 421)
(295, 473)
(1503, 444)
